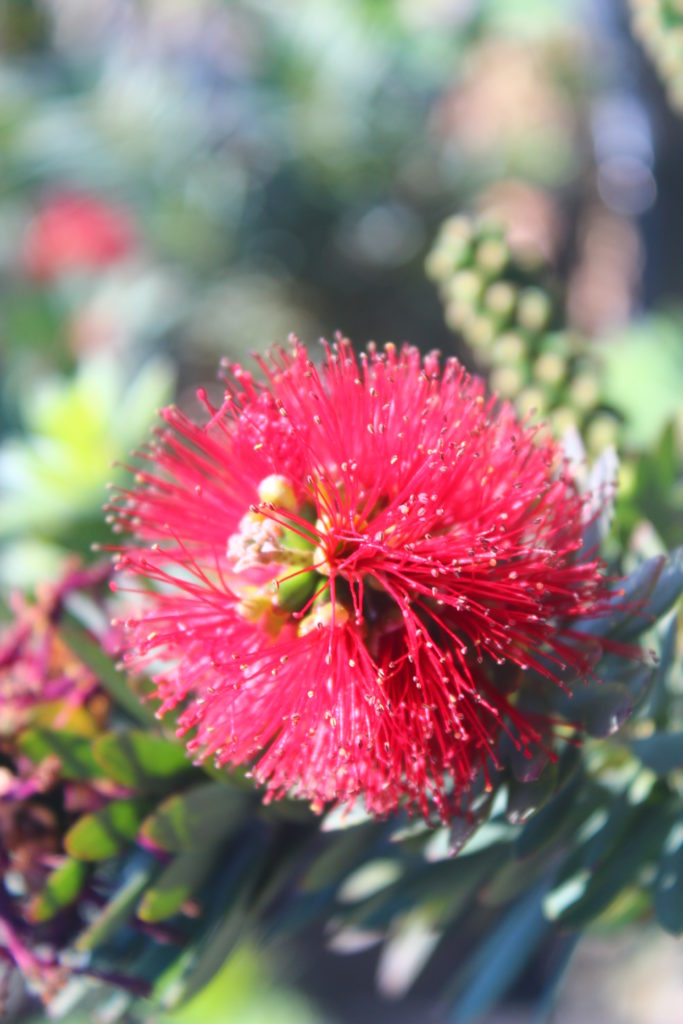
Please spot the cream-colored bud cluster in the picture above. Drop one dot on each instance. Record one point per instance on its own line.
(274, 534)
(503, 306)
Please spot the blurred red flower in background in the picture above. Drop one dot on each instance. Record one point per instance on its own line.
(74, 232)
(353, 566)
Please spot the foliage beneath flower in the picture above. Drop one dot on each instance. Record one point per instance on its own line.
(156, 871)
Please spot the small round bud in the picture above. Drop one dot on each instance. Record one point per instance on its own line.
(628, 478)
(491, 256)
(584, 391)
(603, 431)
(320, 561)
(439, 263)
(465, 286)
(500, 298)
(457, 315)
(324, 616)
(562, 419)
(254, 605)
(531, 400)
(507, 381)
(456, 227)
(550, 368)
(277, 490)
(480, 331)
(510, 347)
(534, 309)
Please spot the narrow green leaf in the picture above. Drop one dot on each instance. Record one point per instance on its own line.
(501, 957)
(118, 911)
(511, 881)
(106, 832)
(554, 817)
(340, 818)
(603, 831)
(602, 710)
(472, 818)
(204, 814)
(461, 831)
(441, 888)
(176, 883)
(662, 752)
(338, 858)
(633, 595)
(231, 923)
(525, 798)
(111, 679)
(60, 717)
(139, 759)
(642, 842)
(667, 636)
(631, 904)
(669, 586)
(666, 588)
(669, 887)
(61, 890)
(74, 751)
(560, 958)
(525, 766)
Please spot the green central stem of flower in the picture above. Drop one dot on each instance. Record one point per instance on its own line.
(307, 555)
(285, 534)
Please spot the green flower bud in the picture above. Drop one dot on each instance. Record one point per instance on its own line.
(439, 263)
(531, 400)
(297, 540)
(292, 592)
(465, 286)
(584, 391)
(562, 419)
(534, 309)
(457, 227)
(457, 315)
(491, 256)
(277, 490)
(255, 605)
(480, 331)
(550, 368)
(487, 227)
(627, 478)
(323, 616)
(500, 298)
(510, 347)
(507, 381)
(602, 431)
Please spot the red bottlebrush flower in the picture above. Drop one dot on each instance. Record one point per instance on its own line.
(75, 232)
(345, 559)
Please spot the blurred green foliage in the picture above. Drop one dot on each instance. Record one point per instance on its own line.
(76, 429)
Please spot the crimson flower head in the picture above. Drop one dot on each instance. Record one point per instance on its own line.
(340, 567)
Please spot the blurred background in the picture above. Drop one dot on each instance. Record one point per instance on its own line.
(182, 180)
